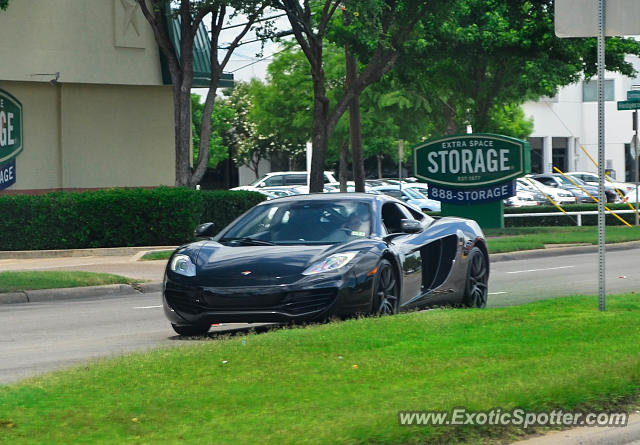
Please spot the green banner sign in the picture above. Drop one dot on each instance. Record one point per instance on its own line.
(633, 94)
(633, 104)
(10, 126)
(472, 160)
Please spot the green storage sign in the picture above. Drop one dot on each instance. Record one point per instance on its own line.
(472, 160)
(10, 126)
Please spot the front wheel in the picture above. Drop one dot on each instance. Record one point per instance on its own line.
(385, 296)
(476, 286)
(191, 329)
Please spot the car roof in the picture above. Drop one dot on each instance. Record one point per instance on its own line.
(352, 196)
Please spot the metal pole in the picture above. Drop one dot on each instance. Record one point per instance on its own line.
(635, 167)
(400, 157)
(601, 160)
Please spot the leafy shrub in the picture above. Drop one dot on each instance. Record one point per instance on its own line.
(115, 217)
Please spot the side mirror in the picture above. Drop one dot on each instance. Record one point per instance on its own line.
(204, 230)
(405, 198)
(410, 226)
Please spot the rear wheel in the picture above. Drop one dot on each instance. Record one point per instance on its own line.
(476, 287)
(191, 329)
(385, 297)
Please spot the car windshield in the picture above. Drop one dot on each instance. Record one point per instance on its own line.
(415, 194)
(566, 181)
(302, 222)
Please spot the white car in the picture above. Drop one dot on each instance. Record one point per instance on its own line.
(559, 195)
(283, 180)
(410, 195)
(592, 179)
(630, 196)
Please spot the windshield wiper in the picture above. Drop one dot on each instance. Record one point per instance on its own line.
(249, 241)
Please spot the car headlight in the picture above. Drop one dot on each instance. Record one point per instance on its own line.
(330, 263)
(182, 264)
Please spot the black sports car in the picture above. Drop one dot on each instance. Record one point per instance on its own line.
(309, 257)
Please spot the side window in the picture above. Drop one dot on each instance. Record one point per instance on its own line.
(295, 180)
(392, 215)
(394, 193)
(415, 214)
(545, 181)
(274, 180)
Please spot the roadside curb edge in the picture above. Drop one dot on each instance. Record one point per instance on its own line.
(78, 293)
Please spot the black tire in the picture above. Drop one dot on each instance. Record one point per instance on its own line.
(191, 329)
(385, 294)
(476, 284)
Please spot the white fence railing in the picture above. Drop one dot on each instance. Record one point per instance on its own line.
(577, 214)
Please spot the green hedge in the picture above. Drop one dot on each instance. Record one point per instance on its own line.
(564, 220)
(116, 217)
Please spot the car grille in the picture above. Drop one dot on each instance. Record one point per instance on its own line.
(294, 303)
(308, 301)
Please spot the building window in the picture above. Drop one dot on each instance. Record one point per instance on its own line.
(590, 91)
(559, 153)
(536, 155)
(629, 163)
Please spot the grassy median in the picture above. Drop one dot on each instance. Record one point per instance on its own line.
(343, 382)
(513, 239)
(31, 280)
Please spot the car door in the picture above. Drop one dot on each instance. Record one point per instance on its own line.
(406, 246)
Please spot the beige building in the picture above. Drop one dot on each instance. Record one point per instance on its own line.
(96, 112)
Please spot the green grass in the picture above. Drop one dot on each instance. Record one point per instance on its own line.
(19, 281)
(159, 255)
(295, 386)
(525, 238)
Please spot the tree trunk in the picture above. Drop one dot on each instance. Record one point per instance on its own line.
(355, 124)
(320, 134)
(344, 160)
(182, 123)
(450, 115)
(379, 156)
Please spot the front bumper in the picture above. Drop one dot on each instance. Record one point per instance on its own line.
(311, 298)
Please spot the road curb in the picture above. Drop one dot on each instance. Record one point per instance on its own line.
(79, 293)
(559, 251)
(108, 251)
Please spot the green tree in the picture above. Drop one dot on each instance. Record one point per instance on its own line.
(492, 55)
(376, 32)
(4, 4)
(389, 113)
(221, 119)
(248, 132)
(191, 14)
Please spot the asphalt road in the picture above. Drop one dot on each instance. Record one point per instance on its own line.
(38, 337)
(523, 281)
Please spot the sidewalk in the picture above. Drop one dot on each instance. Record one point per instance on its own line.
(628, 435)
(120, 261)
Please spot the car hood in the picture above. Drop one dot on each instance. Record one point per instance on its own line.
(223, 265)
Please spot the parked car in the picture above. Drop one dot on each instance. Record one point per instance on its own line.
(419, 186)
(592, 179)
(310, 257)
(630, 196)
(283, 179)
(559, 196)
(412, 196)
(609, 189)
(525, 197)
(558, 181)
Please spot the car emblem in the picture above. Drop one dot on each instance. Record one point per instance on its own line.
(246, 272)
